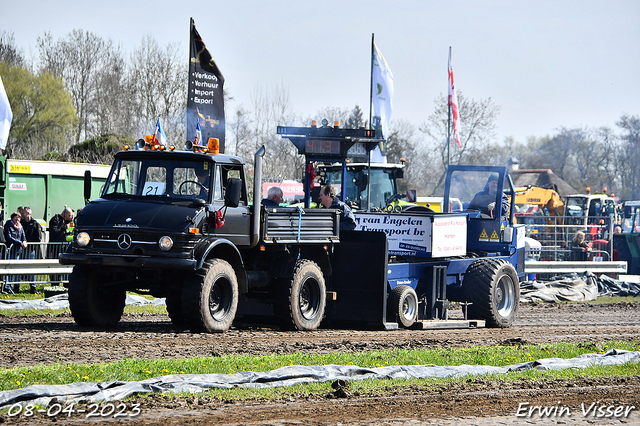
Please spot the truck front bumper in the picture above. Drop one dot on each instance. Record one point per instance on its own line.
(128, 262)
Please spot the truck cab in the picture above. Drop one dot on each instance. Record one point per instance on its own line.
(588, 209)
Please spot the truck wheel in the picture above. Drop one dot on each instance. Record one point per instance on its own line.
(174, 304)
(210, 298)
(303, 299)
(403, 304)
(492, 286)
(92, 303)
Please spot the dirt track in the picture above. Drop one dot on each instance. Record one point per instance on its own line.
(46, 339)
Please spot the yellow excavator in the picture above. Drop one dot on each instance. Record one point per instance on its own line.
(533, 200)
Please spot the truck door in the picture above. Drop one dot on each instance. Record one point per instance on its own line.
(237, 220)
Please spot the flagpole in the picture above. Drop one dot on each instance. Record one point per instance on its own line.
(448, 112)
(371, 81)
(370, 123)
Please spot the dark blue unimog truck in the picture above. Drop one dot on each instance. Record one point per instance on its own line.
(182, 225)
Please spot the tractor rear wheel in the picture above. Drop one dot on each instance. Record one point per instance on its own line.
(492, 287)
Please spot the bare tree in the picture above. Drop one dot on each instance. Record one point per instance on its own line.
(78, 59)
(477, 131)
(271, 109)
(239, 133)
(355, 119)
(9, 52)
(158, 78)
(629, 156)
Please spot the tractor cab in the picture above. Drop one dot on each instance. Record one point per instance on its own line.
(487, 195)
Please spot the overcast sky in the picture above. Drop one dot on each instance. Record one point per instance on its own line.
(546, 63)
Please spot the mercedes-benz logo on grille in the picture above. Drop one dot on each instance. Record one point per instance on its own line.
(124, 241)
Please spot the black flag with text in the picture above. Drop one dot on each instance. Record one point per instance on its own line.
(205, 102)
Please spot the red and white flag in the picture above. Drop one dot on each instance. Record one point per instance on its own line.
(453, 102)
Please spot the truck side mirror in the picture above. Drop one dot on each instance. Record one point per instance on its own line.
(87, 185)
(232, 193)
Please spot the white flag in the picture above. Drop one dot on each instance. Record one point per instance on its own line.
(381, 99)
(6, 116)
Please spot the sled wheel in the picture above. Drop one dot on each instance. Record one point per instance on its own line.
(403, 305)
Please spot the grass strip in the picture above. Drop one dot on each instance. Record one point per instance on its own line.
(135, 370)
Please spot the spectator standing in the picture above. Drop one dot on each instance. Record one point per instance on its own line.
(33, 233)
(579, 247)
(3, 247)
(60, 227)
(2, 239)
(16, 243)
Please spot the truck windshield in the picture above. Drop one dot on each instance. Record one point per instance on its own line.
(146, 178)
(382, 186)
(576, 206)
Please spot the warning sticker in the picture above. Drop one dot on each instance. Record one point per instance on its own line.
(483, 235)
(494, 236)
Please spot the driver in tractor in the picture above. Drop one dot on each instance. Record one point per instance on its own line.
(485, 200)
(203, 180)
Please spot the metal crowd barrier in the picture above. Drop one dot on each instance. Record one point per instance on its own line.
(37, 264)
(567, 267)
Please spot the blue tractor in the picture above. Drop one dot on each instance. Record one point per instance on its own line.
(404, 268)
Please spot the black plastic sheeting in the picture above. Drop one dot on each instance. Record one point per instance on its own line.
(42, 395)
(577, 288)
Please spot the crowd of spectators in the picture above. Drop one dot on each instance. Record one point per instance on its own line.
(23, 237)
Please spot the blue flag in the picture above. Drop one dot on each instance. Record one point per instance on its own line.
(198, 138)
(159, 137)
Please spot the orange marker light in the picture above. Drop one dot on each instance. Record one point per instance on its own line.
(214, 145)
(314, 123)
(336, 124)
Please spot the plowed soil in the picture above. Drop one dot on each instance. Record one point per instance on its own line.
(46, 339)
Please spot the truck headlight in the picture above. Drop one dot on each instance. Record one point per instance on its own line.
(83, 239)
(165, 243)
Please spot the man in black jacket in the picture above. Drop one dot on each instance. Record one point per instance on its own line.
(328, 200)
(60, 227)
(33, 233)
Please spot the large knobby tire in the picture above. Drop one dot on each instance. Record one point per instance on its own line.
(403, 305)
(92, 302)
(492, 287)
(210, 298)
(301, 301)
(174, 304)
